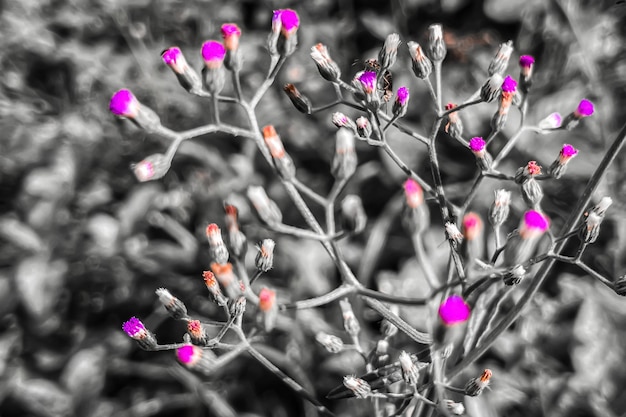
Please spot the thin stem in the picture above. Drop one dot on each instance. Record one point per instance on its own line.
(423, 261)
(431, 90)
(438, 85)
(459, 107)
(508, 147)
(325, 107)
(216, 109)
(327, 298)
(267, 83)
(545, 268)
(237, 85)
(390, 298)
(419, 337)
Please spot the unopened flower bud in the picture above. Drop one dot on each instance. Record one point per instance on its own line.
(219, 252)
(283, 162)
(457, 409)
(413, 193)
(237, 242)
(350, 322)
(124, 104)
(238, 306)
(478, 146)
(454, 127)
(475, 386)
(341, 120)
(135, 329)
(264, 260)
(417, 216)
(410, 373)
(619, 286)
(514, 275)
(151, 168)
(525, 173)
(421, 65)
(227, 278)
(196, 358)
(363, 127)
(353, 217)
(401, 103)
(436, 45)
(267, 209)
(173, 305)
(526, 63)
(300, 102)
(231, 34)
(454, 310)
(453, 234)
(508, 91)
(501, 60)
(499, 211)
(585, 108)
(214, 77)
(531, 190)
(284, 37)
(187, 77)
(331, 343)
(359, 387)
(491, 88)
(551, 122)
(268, 307)
(214, 288)
(345, 160)
(602, 206)
(590, 230)
(197, 332)
(328, 68)
(558, 167)
(389, 52)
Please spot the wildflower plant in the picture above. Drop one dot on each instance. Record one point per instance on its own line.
(456, 337)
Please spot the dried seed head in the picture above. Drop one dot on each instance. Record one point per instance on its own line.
(300, 102)
(501, 60)
(328, 68)
(353, 217)
(454, 310)
(331, 343)
(267, 209)
(350, 322)
(453, 234)
(264, 260)
(410, 373)
(590, 230)
(514, 275)
(436, 45)
(218, 250)
(389, 52)
(173, 305)
(454, 127)
(603, 206)
(491, 88)
(359, 387)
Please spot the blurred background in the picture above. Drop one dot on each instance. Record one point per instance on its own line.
(83, 245)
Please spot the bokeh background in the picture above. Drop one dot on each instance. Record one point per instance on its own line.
(83, 245)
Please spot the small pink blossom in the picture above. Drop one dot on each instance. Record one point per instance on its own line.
(123, 103)
(454, 310)
(134, 328)
(477, 144)
(188, 354)
(585, 108)
(368, 81)
(213, 53)
(526, 61)
(534, 220)
(402, 96)
(414, 193)
(509, 85)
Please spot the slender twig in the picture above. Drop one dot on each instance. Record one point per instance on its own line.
(267, 83)
(459, 107)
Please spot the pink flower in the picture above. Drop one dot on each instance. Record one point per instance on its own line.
(454, 310)
(123, 103)
(585, 108)
(477, 144)
(267, 299)
(368, 81)
(567, 153)
(414, 193)
(509, 85)
(526, 61)
(289, 21)
(402, 96)
(231, 34)
(472, 226)
(533, 225)
(213, 53)
(134, 328)
(189, 354)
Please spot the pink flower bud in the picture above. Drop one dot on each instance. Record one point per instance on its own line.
(454, 310)
(213, 54)
(509, 85)
(289, 21)
(214, 288)
(196, 331)
(533, 225)
(421, 65)
(134, 328)
(472, 226)
(567, 153)
(174, 58)
(264, 260)
(231, 34)
(526, 63)
(585, 108)
(173, 305)
(367, 81)
(273, 142)
(477, 144)
(152, 168)
(402, 100)
(267, 300)
(413, 193)
(123, 103)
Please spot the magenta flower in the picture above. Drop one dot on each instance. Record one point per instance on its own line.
(171, 55)
(134, 328)
(454, 310)
(368, 81)
(231, 34)
(413, 193)
(526, 61)
(123, 103)
(289, 21)
(567, 153)
(402, 96)
(509, 85)
(188, 354)
(213, 53)
(533, 225)
(585, 108)
(477, 144)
